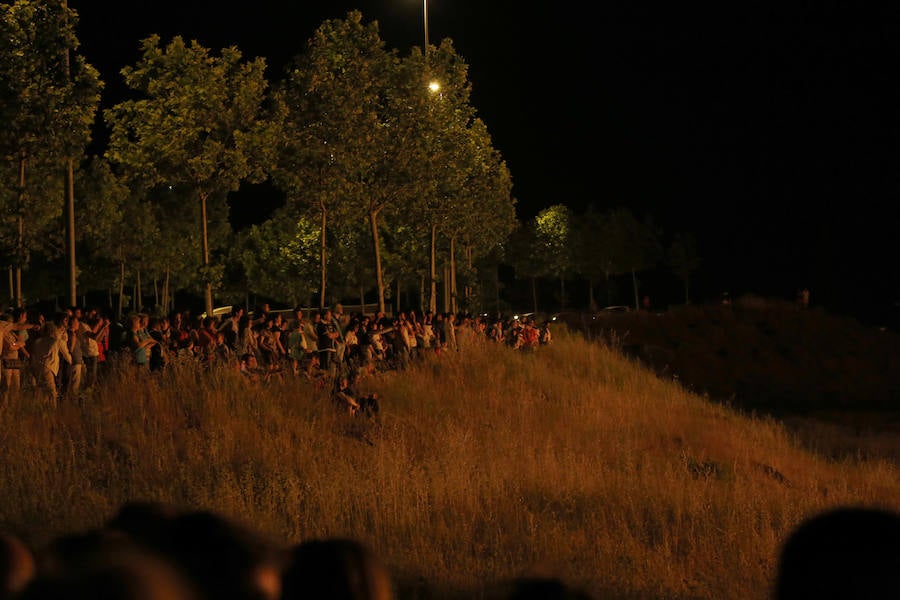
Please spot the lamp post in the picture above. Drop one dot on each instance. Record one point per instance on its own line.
(433, 86)
(425, 17)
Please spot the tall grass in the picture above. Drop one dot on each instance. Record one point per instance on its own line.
(483, 465)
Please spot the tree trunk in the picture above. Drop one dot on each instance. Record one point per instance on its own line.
(362, 300)
(70, 198)
(376, 247)
(20, 233)
(591, 304)
(137, 293)
(687, 296)
(208, 300)
(497, 288)
(165, 306)
(398, 297)
(467, 294)
(432, 303)
(70, 229)
(12, 287)
(156, 294)
(446, 306)
(608, 291)
(322, 256)
(422, 292)
(634, 283)
(534, 292)
(453, 307)
(120, 304)
(562, 293)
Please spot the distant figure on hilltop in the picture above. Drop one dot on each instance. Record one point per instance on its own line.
(803, 298)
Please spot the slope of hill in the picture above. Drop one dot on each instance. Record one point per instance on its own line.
(483, 466)
(808, 367)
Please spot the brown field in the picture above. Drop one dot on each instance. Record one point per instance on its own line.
(573, 461)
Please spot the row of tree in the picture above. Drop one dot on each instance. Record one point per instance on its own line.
(597, 246)
(386, 172)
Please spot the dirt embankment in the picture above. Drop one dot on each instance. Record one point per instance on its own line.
(763, 356)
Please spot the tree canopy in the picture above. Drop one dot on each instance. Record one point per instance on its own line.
(198, 123)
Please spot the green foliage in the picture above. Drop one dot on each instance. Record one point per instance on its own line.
(279, 257)
(39, 207)
(48, 99)
(199, 124)
(338, 141)
(195, 120)
(99, 197)
(48, 93)
(553, 228)
(462, 186)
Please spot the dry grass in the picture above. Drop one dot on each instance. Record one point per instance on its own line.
(485, 465)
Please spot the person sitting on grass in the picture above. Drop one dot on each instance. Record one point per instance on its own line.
(250, 368)
(346, 398)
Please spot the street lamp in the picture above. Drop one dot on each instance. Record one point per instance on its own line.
(434, 87)
(425, 16)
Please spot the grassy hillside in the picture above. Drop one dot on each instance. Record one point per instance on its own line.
(484, 465)
(820, 373)
(764, 355)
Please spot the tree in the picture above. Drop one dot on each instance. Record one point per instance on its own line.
(101, 198)
(683, 258)
(31, 217)
(363, 149)
(553, 230)
(525, 255)
(278, 256)
(313, 112)
(48, 97)
(591, 250)
(199, 123)
(635, 246)
(459, 181)
(437, 113)
(486, 209)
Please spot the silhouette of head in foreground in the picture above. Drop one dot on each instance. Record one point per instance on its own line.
(338, 569)
(842, 553)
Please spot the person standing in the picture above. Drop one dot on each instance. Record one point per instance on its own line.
(13, 339)
(296, 343)
(139, 341)
(75, 342)
(341, 321)
(48, 348)
(326, 341)
(157, 331)
(449, 332)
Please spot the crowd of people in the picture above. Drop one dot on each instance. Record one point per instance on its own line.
(64, 354)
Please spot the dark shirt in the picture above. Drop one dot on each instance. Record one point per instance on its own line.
(324, 335)
(157, 358)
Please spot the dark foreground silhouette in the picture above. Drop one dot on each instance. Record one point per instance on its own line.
(152, 552)
(848, 553)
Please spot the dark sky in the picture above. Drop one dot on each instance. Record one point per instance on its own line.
(771, 134)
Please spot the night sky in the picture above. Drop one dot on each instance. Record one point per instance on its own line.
(770, 134)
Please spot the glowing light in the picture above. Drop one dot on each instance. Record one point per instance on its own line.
(434, 86)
